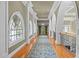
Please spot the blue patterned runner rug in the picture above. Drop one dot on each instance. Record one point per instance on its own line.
(42, 49)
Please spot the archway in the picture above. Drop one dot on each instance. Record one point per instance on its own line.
(67, 13)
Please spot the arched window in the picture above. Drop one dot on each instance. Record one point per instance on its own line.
(16, 28)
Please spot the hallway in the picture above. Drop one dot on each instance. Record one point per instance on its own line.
(39, 29)
(42, 49)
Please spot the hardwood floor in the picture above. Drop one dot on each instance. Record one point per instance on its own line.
(61, 50)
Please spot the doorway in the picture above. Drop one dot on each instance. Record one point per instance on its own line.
(43, 30)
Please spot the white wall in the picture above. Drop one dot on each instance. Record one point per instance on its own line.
(3, 23)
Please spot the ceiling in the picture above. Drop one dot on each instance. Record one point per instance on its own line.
(42, 8)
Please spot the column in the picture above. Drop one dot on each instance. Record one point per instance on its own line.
(77, 32)
(28, 24)
(3, 29)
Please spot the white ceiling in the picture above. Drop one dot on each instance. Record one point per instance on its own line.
(42, 8)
